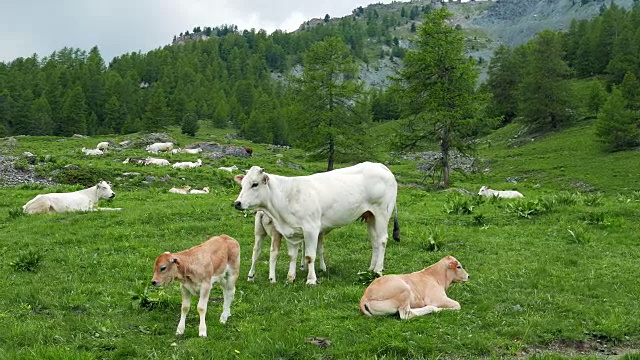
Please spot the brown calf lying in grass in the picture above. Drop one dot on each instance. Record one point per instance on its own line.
(415, 294)
(197, 269)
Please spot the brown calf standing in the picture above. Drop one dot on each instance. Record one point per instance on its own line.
(415, 294)
(197, 269)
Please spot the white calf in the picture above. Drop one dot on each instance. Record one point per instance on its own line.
(509, 194)
(197, 269)
(81, 200)
(263, 226)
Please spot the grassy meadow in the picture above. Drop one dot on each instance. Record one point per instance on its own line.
(552, 276)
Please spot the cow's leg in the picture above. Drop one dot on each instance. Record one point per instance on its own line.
(202, 308)
(184, 309)
(228, 285)
(259, 234)
(408, 313)
(448, 304)
(310, 249)
(323, 266)
(320, 255)
(378, 235)
(276, 239)
(292, 249)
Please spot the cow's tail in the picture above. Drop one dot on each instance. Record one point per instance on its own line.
(364, 308)
(396, 225)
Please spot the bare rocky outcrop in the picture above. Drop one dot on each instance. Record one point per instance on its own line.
(12, 174)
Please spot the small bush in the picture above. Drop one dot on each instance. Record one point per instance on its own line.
(479, 220)
(458, 205)
(591, 199)
(366, 277)
(28, 261)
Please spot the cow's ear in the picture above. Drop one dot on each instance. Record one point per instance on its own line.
(265, 178)
(453, 265)
(261, 170)
(174, 260)
(238, 178)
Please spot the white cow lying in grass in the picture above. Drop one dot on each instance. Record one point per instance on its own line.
(187, 164)
(156, 161)
(92, 151)
(186, 151)
(205, 190)
(81, 200)
(103, 146)
(183, 190)
(416, 294)
(157, 147)
(509, 194)
(228, 168)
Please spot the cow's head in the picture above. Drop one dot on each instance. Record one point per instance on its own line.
(453, 266)
(254, 188)
(165, 269)
(104, 190)
(483, 190)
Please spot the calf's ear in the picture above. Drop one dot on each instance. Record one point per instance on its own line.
(174, 260)
(265, 178)
(453, 265)
(238, 178)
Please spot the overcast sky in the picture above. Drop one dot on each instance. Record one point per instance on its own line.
(122, 26)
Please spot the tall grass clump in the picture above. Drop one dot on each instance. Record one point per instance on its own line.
(27, 261)
(458, 205)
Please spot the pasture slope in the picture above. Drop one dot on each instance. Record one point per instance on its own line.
(552, 276)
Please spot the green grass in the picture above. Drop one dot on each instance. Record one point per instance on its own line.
(76, 286)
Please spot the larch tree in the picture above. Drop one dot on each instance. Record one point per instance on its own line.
(438, 88)
(329, 91)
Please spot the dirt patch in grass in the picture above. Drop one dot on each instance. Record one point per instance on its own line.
(594, 347)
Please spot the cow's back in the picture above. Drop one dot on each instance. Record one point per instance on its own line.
(221, 251)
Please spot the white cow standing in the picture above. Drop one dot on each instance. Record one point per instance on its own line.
(81, 200)
(303, 207)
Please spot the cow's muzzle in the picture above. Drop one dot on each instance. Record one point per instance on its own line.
(238, 205)
(155, 283)
(112, 196)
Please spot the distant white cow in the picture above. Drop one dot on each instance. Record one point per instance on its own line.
(509, 194)
(104, 146)
(91, 151)
(263, 226)
(183, 190)
(229, 168)
(303, 207)
(192, 151)
(156, 161)
(205, 190)
(157, 147)
(139, 161)
(81, 200)
(187, 164)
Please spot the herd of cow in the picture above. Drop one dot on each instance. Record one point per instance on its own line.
(302, 209)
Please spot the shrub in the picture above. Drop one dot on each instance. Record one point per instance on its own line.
(434, 241)
(528, 208)
(566, 198)
(595, 218)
